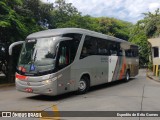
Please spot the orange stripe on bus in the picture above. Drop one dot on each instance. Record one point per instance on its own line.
(123, 69)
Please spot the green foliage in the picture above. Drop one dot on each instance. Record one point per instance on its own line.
(18, 18)
(150, 66)
(114, 27)
(152, 23)
(28, 16)
(146, 28)
(141, 40)
(63, 14)
(13, 25)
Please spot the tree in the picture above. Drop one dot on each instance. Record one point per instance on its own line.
(15, 21)
(146, 28)
(9, 21)
(151, 23)
(39, 11)
(62, 13)
(139, 38)
(114, 27)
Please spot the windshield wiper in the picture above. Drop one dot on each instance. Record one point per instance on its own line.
(34, 58)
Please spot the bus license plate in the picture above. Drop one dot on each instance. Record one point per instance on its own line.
(29, 90)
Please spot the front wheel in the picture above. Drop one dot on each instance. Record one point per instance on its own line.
(83, 85)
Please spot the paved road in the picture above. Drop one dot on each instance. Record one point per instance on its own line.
(139, 94)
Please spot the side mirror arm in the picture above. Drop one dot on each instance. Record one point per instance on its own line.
(13, 45)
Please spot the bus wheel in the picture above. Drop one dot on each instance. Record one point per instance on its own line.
(83, 85)
(127, 76)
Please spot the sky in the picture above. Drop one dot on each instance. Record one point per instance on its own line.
(127, 10)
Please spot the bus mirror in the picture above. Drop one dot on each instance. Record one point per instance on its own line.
(13, 45)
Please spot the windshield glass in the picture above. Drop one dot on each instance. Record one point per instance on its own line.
(38, 55)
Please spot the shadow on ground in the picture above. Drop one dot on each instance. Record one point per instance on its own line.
(73, 94)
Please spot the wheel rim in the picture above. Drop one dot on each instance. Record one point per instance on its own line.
(127, 76)
(82, 85)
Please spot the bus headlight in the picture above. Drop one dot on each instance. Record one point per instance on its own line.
(46, 81)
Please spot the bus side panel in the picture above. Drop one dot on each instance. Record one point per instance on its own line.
(102, 69)
(64, 82)
(120, 69)
(113, 61)
(133, 66)
(87, 65)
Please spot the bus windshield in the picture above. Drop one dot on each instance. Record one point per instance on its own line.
(38, 55)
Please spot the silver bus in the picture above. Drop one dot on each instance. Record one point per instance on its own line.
(58, 61)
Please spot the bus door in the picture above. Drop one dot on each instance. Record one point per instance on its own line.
(64, 59)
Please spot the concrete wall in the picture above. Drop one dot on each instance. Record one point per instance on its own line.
(155, 42)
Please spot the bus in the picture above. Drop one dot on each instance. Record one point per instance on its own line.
(58, 61)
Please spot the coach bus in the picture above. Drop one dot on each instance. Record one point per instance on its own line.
(58, 61)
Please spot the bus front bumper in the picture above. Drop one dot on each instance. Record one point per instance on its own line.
(37, 87)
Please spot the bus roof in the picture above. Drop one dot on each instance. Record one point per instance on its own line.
(60, 31)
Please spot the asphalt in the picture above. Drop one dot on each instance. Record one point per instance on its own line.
(139, 94)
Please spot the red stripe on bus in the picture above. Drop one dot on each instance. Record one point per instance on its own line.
(21, 77)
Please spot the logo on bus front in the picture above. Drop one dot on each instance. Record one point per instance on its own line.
(32, 68)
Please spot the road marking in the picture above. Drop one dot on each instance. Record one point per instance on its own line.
(55, 112)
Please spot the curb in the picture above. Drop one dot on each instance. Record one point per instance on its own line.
(153, 79)
(6, 85)
(150, 77)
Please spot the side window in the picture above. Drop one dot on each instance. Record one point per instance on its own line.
(135, 53)
(102, 47)
(66, 53)
(155, 52)
(131, 53)
(76, 39)
(114, 48)
(119, 50)
(128, 53)
(89, 47)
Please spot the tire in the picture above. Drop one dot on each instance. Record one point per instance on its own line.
(83, 86)
(127, 76)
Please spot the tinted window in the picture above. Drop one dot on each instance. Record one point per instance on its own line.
(76, 38)
(128, 53)
(131, 53)
(135, 53)
(89, 47)
(114, 48)
(102, 47)
(66, 53)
